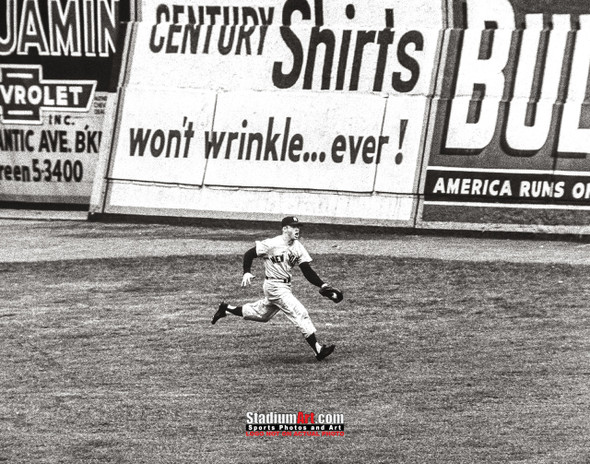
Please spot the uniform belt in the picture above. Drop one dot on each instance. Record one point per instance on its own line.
(285, 281)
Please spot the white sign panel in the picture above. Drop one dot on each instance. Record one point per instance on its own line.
(404, 127)
(307, 141)
(161, 135)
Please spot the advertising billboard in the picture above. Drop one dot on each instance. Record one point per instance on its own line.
(510, 131)
(60, 63)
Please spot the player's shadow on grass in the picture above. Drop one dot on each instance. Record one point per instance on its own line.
(293, 359)
(289, 360)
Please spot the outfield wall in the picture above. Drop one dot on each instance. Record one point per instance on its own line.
(276, 107)
(433, 114)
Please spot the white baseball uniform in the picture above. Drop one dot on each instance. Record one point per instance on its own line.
(279, 259)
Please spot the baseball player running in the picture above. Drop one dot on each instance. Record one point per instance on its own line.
(280, 255)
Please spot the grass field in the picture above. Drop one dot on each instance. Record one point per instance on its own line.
(115, 360)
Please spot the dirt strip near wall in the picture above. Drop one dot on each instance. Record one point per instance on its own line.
(32, 240)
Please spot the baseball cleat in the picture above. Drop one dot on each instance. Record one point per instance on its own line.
(219, 313)
(325, 352)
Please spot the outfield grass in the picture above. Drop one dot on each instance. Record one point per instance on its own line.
(436, 362)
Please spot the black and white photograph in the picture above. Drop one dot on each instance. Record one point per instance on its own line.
(294, 231)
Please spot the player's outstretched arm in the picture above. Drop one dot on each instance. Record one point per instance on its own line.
(247, 265)
(310, 274)
(326, 290)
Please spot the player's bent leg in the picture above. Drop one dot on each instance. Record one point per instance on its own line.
(298, 314)
(261, 311)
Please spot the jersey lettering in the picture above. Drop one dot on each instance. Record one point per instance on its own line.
(277, 259)
(280, 258)
(292, 260)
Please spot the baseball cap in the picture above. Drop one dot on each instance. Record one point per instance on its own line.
(291, 221)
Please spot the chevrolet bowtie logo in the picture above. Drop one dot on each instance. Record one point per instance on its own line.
(24, 94)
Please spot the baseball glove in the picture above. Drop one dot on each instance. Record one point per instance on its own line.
(332, 293)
